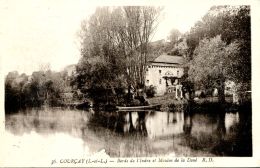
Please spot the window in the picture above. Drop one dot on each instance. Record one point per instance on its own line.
(160, 71)
(160, 81)
(177, 73)
(147, 81)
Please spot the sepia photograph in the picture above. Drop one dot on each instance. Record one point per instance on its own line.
(99, 83)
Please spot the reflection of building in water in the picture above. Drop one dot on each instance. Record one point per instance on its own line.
(154, 125)
(165, 124)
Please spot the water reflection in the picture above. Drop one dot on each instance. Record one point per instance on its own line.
(221, 129)
(231, 121)
(139, 133)
(187, 124)
(166, 124)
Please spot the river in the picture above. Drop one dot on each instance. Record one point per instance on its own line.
(127, 134)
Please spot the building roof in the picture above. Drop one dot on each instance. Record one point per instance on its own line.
(169, 59)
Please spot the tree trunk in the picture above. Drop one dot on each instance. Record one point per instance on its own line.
(221, 91)
(129, 95)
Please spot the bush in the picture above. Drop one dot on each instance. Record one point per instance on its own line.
(150, 91)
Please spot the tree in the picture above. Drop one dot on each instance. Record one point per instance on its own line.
(234, 25)
(141, 23)
(12, 92)
(100, 45)
(214, 61)
(174, 36)
(179, 48)
(115, 41)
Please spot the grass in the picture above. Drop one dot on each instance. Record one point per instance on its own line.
(166, 101)
(169, 101)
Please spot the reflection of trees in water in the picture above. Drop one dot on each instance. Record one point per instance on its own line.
(201, 131)
(36, 120)
(221, 129)
(203, 139)
(131, 124)
(242, 146)
(187, 124)
(241, 143)
(174, 117)
(141, 126)
(137, 144)
(111, 120)
(245, 134)
(187, 127)
(120, 123)
(116, 121)
(131, 127)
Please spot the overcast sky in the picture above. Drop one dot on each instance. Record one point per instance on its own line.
(35, 32)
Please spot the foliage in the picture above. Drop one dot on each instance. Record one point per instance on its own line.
(174, 36)
(213, 62)
(156, 48)
(219, 48)
(150, 91)
(114, 48)
(233, 24)
(214, 58)
(180, 48)
(175, 45)
(33, 91)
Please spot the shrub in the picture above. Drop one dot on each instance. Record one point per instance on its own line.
(150, 91)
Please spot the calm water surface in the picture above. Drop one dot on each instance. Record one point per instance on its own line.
(132, 134)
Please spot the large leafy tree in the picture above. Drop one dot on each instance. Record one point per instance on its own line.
(233, 24)
(214, 62)
(114, 41)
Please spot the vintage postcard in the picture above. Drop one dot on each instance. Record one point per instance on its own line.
(129, 84)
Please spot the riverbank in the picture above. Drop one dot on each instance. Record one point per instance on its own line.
(169, 102)
(166, 101)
